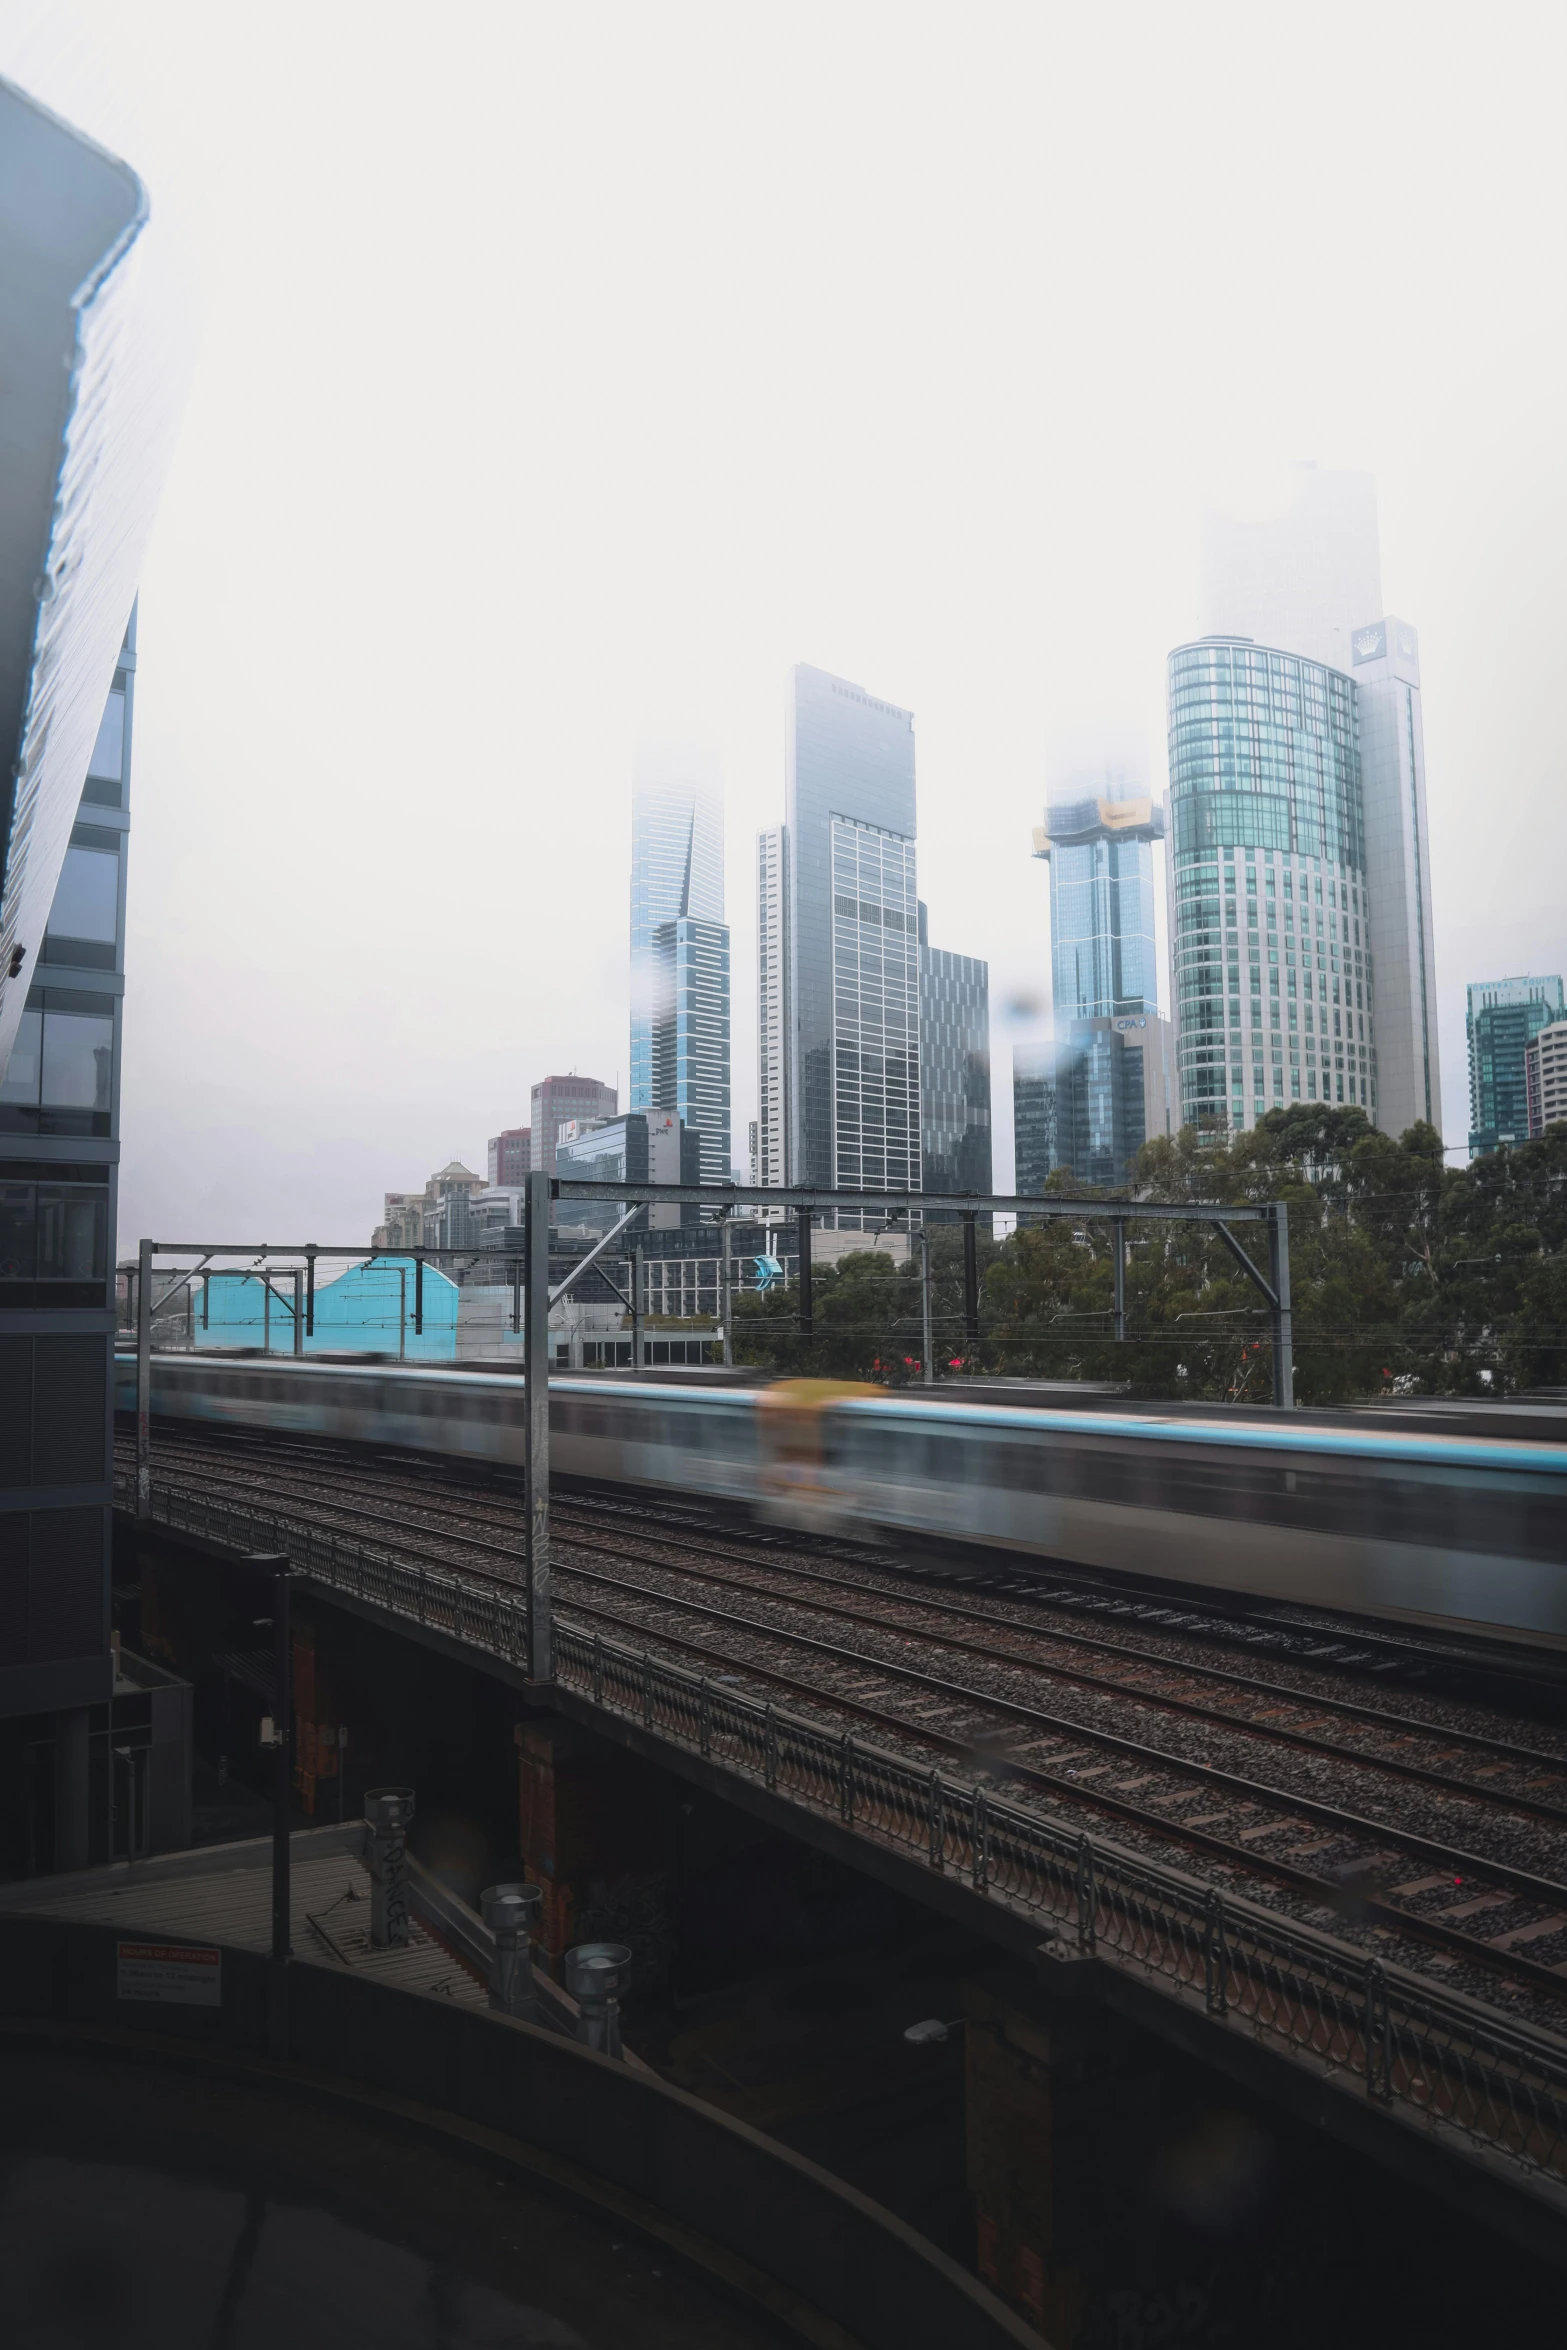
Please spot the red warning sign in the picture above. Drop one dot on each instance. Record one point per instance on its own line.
(176, 1973)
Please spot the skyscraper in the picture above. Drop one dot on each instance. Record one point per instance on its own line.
(1268, 856)
(1306, 581)
(558, 1101)
(86, 426)
(680, 947)
(510, 1155)
(954, 1069)
(853, 1052)
(1089, 1101)
(773, 1002)
(1504, 1018)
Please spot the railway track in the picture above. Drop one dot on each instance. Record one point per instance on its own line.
(1490, 1847)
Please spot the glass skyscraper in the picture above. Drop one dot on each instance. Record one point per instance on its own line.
(1269, 923)
(1086, 1103)
(954, 1069)
(680, 947)
(1504, 1017)
(1305, 579)
(852, 1045)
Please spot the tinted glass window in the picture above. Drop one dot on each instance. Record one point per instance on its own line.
(73, 1225)
(108, 752)
(16, 1232)
(87, 898)
(78, 1060)
(22, 1072)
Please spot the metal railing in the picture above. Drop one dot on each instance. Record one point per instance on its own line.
(1432, 2059)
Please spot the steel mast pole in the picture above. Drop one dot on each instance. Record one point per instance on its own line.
(144, 1380)
(927, 1341)
(536, 1369)
(1283, 1318)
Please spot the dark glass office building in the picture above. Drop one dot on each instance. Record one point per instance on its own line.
(1504, 1017)
(680, 947)
(853, 938)
(85, 440)
(954, 1069)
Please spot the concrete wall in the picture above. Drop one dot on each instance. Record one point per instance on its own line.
(692, 2175)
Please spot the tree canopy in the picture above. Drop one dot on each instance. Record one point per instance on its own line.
(1408, 1277)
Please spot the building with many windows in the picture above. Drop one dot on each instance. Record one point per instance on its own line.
(1305, 583)
(853, 1018)
(87, 420)
(773, 1001)
(680, 947)
(954, 1069)
(1504, 1018)
(1087, 1102)
(510, 1155)
(1268, 920)
(563, 1101)
(1545, 1072)
(642, 1146)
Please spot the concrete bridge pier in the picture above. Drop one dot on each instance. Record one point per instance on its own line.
(598, 1837)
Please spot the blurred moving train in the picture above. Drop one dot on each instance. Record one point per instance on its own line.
(1457, 1530)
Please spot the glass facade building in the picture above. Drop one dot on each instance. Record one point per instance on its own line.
(853, 1038)
(1088, 1101)
(954, 1069)
(1504, 1017)
(680, 948)
(562, 1101)
(1269, 913)
(770, 1150)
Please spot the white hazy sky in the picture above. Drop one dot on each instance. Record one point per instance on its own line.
(566, 370)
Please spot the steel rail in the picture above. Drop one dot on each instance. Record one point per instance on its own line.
(1440, 2057)
(1524, 1884)
(1503, 1799)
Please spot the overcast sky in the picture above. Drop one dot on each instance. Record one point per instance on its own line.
(569, 370)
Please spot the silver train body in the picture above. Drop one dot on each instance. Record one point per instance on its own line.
(1458, 1531)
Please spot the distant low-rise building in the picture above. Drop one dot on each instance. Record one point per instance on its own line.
(643, 1146)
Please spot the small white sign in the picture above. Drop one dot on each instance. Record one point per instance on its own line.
(169, 1971)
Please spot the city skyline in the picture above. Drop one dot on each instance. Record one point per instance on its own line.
(671, 535)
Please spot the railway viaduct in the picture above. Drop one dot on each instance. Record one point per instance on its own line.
(1097, 1949)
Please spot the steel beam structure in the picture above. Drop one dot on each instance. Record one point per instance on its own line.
(536, 1370)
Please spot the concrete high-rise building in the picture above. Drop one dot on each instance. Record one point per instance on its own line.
(680, 1056)
(853, 1037)
(1545, 1067)
(954, 1069)
(773, 1002)
(559, 1101)
(1306, 582)
(1385, 664)
(1090, 1100)
(86, 424)
(510, 1155)
(1267, 885)
(1504, 1018)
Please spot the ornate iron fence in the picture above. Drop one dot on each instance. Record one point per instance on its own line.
(1431, 2058)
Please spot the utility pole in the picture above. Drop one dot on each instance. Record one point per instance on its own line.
(536, 1368)
(927, 1341)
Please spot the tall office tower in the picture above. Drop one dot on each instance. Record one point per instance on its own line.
(1385, 664)
(680, 946)
(854, 1016)
(773, 1001)
(1308, 581)
(556, 1102)
(1034, 1070)
(954, 1068)
(1504, 1018)
(86, 426)
(1108, 1079)
(1269, 862)
(1546, 1073)
(510, 1155)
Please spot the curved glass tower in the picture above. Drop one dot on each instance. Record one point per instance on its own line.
(1268, 921)
(680, 946)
